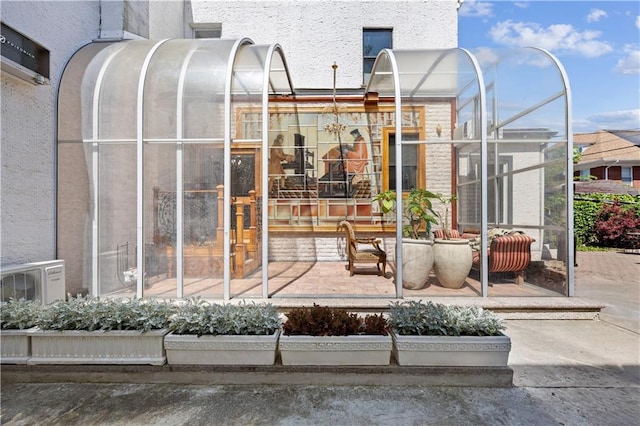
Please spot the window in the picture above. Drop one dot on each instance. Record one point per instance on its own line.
(585, 174)
(412, 163)
(210, 30)
(626, 175)
(373, 41)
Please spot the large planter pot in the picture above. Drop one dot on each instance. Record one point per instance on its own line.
(335, 350)
(97, 347)
(15, 346)
(452, 260)
(417, 261)
(221, 350)
(467, 351)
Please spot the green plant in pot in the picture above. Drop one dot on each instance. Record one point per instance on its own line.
(229, 334)
(435, 334)
(320, 335)
(84, 330)
(418, 216)
(16, 318)
(18, 314)
(418, 213)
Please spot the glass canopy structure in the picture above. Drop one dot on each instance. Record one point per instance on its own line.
(510, 146)
(172, 174)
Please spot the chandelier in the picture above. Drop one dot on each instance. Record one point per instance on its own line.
(336, 128)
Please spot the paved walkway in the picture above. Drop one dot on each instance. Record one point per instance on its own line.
(566, 372)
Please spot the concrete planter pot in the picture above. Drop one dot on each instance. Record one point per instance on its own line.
(417, 261)
(97, 347)
(452, 261)
(221, 350)
(15, 346)
(335, 350)
(452, 351)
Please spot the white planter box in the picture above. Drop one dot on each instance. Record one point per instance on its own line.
(335, 350)
(451, 351)
(97, 347)
(15, 346)
(221, 350)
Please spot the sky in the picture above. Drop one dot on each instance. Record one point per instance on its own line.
(597, 42)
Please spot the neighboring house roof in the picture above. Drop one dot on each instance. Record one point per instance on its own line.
(608, 147)
(604, 187)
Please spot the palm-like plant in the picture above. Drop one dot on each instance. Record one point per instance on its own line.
(418, 211)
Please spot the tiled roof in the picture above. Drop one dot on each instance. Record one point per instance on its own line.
(608, 144)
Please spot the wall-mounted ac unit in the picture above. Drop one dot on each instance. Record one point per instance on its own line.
(41, 281)
(463, 131)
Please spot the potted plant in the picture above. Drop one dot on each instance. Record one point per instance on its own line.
(433, 334)
(452, 257)
(86, 330)
(418, 216)
(17, 317)
(328, 336)
(204, 333)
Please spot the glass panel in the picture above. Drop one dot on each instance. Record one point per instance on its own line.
(117, 267)
(159, 210)
(203, 221)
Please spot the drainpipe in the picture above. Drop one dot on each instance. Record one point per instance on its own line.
(606, 169)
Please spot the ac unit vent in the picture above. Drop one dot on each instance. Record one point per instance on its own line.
(39, 281)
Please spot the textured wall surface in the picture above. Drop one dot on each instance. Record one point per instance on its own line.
(28, 156)
(315, 34)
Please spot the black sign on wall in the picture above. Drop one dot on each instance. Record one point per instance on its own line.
(24, 51)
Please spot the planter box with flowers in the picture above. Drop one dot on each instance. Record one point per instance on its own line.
(101, 331)
(17, 317)
(203, 333)
(440, 335)
(328, 336)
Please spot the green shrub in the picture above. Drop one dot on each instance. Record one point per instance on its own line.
(18, 314)
(202, 318)
(435, 319)
(587, 207)
(92, 314)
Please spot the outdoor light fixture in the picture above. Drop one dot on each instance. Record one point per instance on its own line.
(438, 129)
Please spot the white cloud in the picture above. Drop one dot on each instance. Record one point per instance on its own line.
(559, 38)
(521, 4)
(485, 55)
(475, 9)
(629, 64)
(595, 15)
(638, 21)
(612, 120)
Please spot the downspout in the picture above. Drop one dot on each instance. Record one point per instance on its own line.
(606, 169)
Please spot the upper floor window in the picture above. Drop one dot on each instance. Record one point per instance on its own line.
(207, 30)
(373, 41)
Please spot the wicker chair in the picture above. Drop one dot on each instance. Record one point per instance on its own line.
(363, 250)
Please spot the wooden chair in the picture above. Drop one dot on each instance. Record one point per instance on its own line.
(363, 250)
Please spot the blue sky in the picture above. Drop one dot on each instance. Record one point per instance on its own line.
(597, 42)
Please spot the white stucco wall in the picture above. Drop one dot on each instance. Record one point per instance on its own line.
(316, 33)
(27, 176)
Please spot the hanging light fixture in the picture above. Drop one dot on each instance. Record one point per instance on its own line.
(335, 128)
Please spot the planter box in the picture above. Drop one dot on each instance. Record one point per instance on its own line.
(221, 350)
(335, 350)
(450, 351)
(97, 347)
(15, 346)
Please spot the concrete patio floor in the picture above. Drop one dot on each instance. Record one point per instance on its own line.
(565, 372)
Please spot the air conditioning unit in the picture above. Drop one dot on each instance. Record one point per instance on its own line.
(39, 281)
